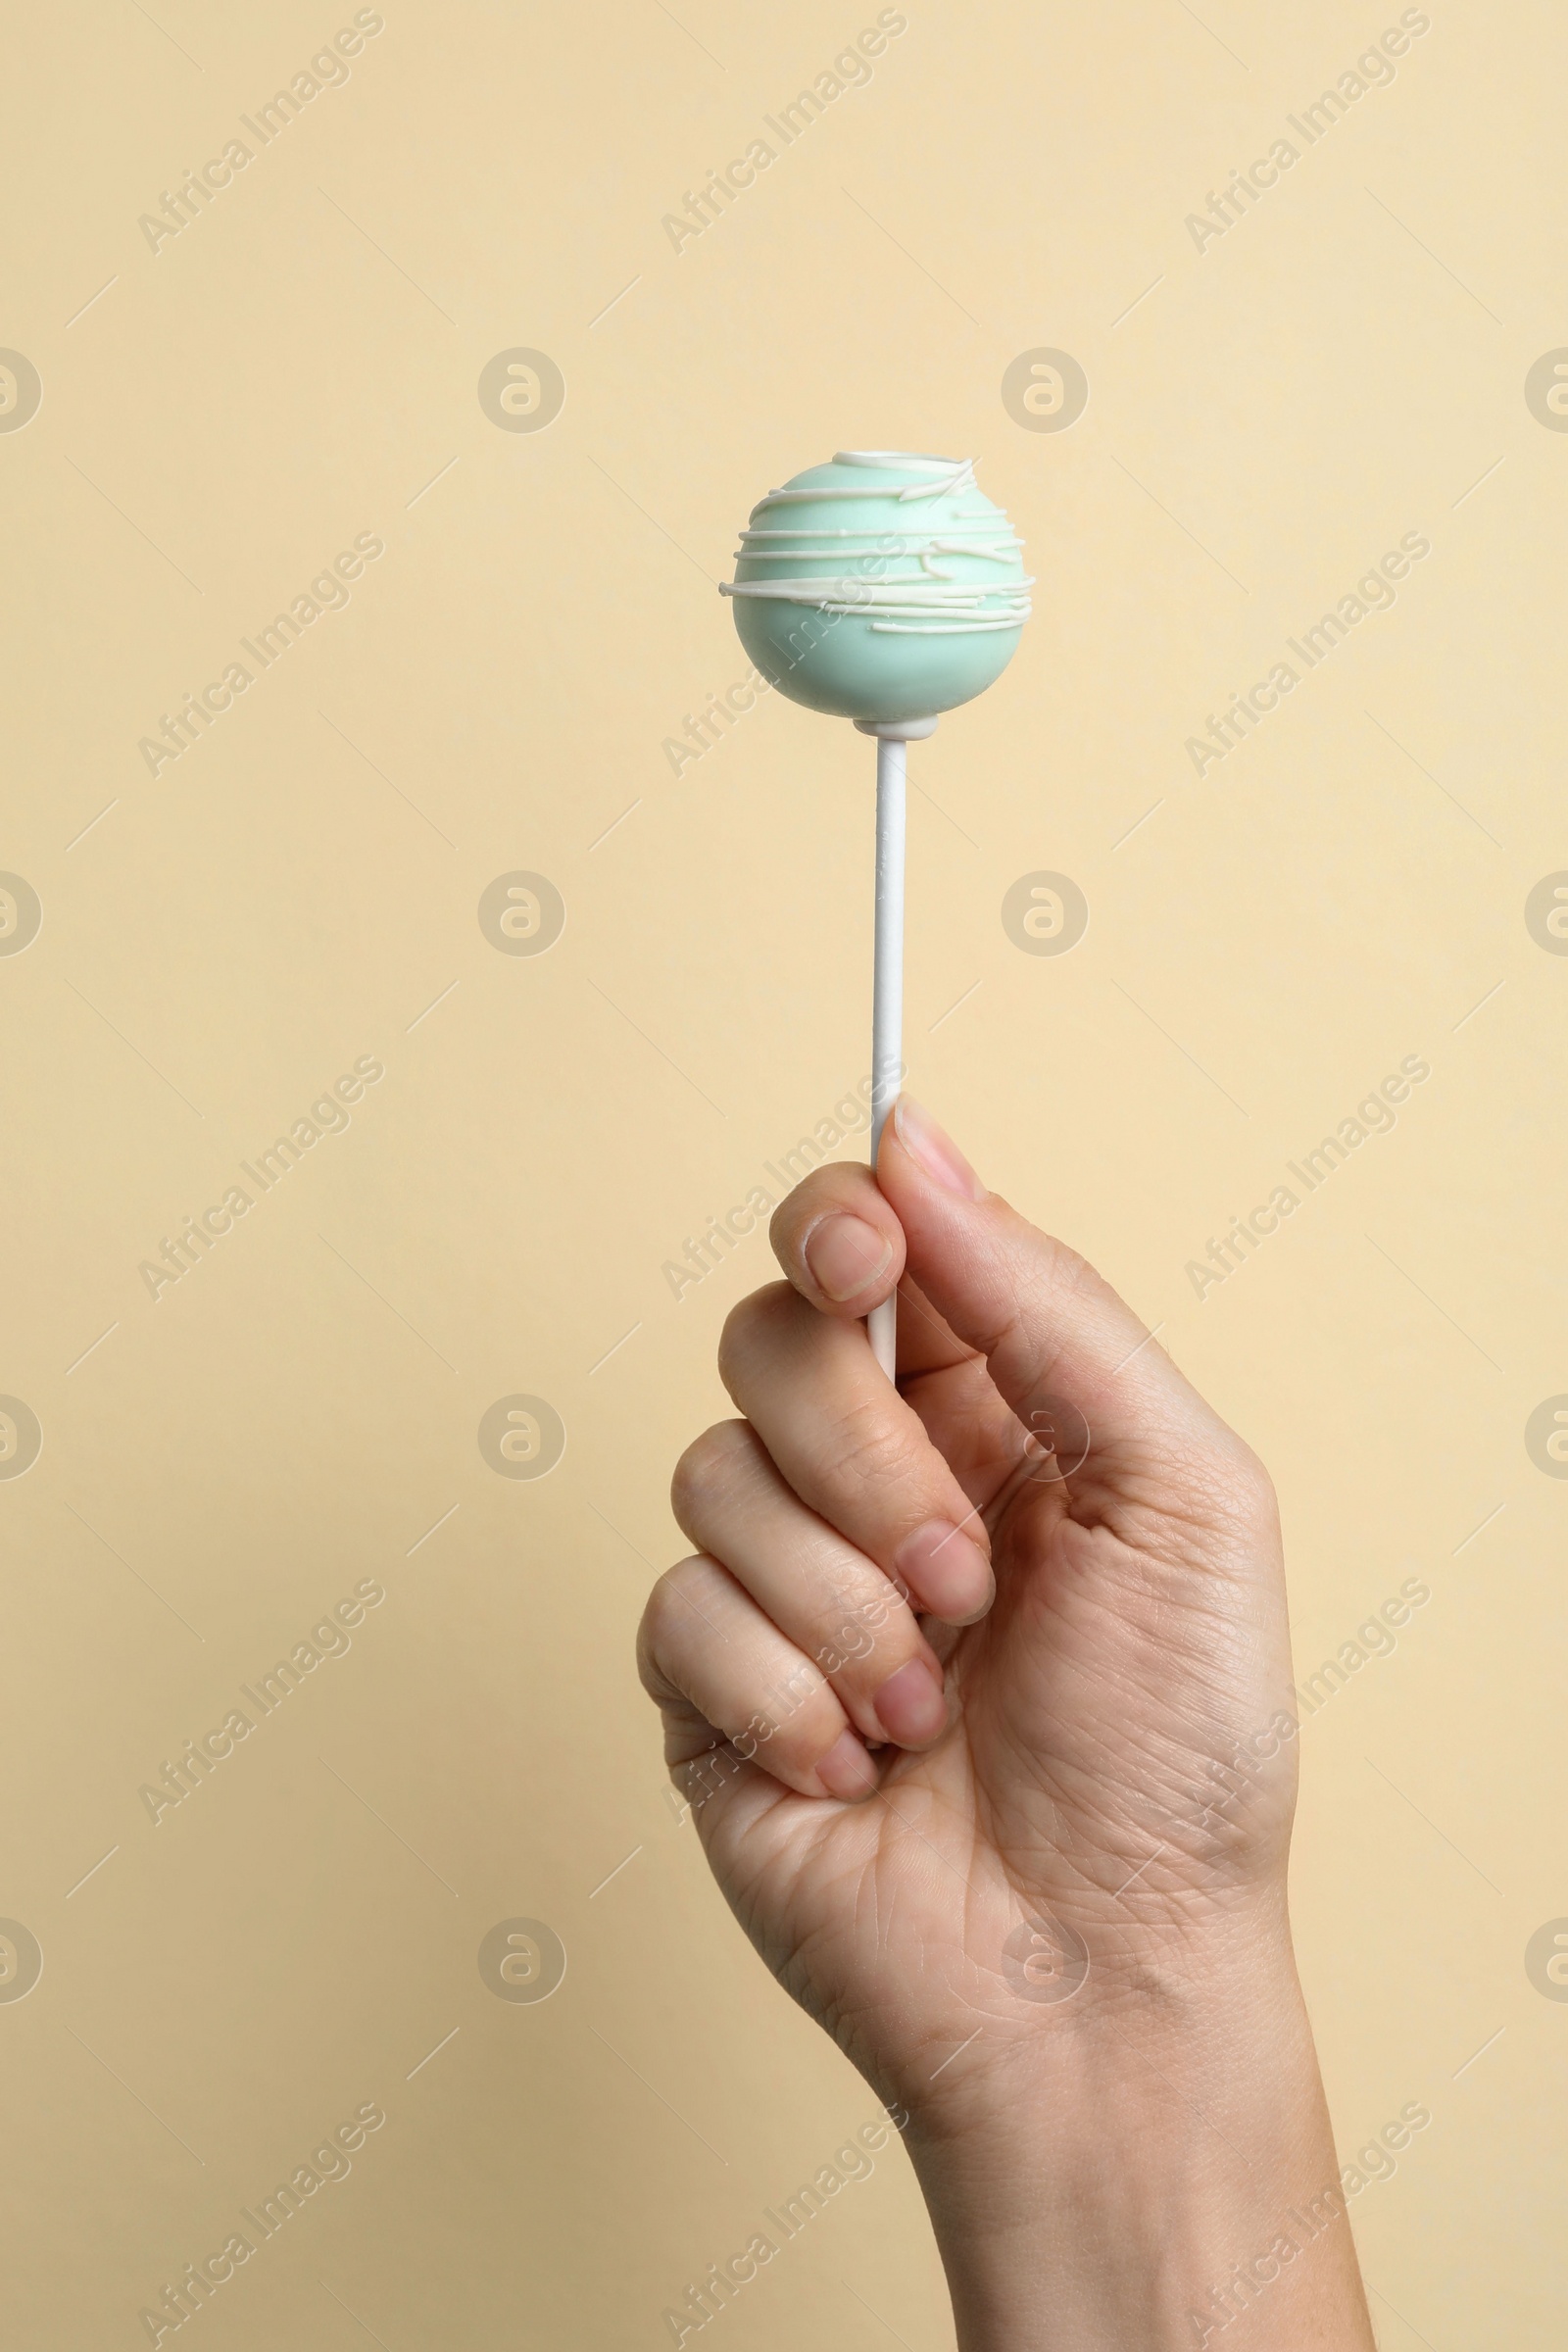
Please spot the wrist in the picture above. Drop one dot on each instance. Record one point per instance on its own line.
(1072, 2026)
(1150, 2166)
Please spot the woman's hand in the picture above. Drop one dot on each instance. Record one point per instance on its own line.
(980, 1692)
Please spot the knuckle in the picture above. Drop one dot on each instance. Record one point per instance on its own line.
(1232, 1491)
(803, 1201)
(1060, 1282)
(798, 1720)
(1065, 1268)
(842, 1644)
(666, 1613)
(1047, 1288)
(854, 1618)
(1255, 1487)
(710, 1465)
(872, 1450)
(751, 1325)
(860, 1642)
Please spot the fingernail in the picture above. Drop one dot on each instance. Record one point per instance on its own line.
(911, 1705)
(847, 1771)
(845, 1255)
(948, 1573)
(934, 1151)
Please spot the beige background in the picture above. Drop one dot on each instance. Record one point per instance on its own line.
(299, 365)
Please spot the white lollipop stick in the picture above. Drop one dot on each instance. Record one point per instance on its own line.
(887, 971)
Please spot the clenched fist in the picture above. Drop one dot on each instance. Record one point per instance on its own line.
(980, 1690)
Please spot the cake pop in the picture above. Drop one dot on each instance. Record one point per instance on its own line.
(883, 587)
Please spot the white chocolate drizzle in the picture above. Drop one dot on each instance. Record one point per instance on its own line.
(930, 603)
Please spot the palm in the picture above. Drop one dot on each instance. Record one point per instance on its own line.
(1137, 1640)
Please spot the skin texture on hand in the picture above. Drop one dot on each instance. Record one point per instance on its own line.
(980, 1692)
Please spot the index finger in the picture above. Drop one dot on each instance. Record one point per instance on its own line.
(839, 1226)
(839, 1241)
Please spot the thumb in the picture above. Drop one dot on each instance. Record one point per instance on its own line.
(1078, 1367)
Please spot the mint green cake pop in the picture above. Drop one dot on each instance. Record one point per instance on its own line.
(880, 587)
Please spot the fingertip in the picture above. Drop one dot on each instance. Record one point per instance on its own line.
(1053, 1330)
(932, 1151)
(912, 1706)
(839, 1241)
(948, 1569)
(849, 1262)
(848, 1771)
